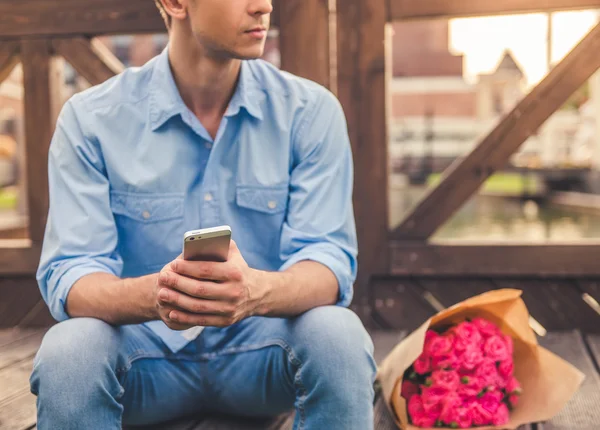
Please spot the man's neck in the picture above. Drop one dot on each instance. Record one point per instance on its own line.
(206, 84)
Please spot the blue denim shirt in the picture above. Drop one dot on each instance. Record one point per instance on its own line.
(131, 169)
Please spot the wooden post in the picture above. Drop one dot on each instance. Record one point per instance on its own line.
(39, 126)
(464, 177)
(304, 39)
(362, 89)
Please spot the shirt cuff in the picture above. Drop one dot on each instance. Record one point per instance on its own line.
(334, 260)
(64, 283)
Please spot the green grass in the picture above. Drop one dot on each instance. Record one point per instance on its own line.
(506, 183)
(8, 198)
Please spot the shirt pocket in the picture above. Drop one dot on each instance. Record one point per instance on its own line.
(262, 211)
(150, 228)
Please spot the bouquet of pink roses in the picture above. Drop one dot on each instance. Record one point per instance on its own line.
(464, 367)
(463, 378)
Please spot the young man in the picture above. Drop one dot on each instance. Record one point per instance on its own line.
(203, 135)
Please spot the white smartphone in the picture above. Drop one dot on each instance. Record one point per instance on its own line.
(208, 244)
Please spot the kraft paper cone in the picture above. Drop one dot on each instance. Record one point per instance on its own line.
(536, 368)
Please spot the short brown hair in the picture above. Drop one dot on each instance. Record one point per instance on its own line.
(163, 13)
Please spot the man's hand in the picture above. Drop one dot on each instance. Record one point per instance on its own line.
(199, 293)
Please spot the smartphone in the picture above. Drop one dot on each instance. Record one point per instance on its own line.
(208, 244)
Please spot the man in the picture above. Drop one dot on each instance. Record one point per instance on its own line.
(203, 135)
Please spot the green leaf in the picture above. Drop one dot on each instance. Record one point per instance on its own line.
(454, 425)
(464, 379)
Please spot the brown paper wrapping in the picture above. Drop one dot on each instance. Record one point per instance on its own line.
(548, 381)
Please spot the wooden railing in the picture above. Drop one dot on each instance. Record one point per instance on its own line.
(351, 56)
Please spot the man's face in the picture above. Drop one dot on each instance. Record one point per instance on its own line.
(231, 28)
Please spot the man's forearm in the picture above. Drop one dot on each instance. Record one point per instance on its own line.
(116, 301)
(302, 287)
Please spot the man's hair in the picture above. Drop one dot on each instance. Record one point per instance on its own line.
(163, 13)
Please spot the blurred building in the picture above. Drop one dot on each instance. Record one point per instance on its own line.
(438, 116)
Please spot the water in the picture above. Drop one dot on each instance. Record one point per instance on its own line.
(503, 219)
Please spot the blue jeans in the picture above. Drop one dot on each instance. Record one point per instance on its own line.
(90, 375)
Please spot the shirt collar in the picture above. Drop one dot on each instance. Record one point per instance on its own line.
(166, 102)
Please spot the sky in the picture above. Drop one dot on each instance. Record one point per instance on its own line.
(482, 40)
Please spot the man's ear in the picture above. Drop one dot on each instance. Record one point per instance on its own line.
(176, 9)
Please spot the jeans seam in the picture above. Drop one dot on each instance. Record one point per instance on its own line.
(292, 358)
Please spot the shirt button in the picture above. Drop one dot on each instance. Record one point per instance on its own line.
(146, 214)
(208, 145)
(272, 204)
(208, 197)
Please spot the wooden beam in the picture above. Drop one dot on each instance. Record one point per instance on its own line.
(90, 58)
(305, 53)
(459, 258)
(36, 18)
(465, 176)
(9, 58)
(432, 9)
(39, 126)
(363, 47)
(275, 15)
(18, 257)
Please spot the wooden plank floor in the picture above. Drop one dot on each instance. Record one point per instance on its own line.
(17, 404)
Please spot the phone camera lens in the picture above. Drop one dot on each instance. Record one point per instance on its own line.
(191, 238)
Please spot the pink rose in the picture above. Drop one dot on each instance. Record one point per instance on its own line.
(485, 327)
(470, 387)
(479, 415)
(501, 416)
(471, 358)
(432, 399)
(488, 373)
(431, 334)
(440, 345)
(445, 361)
(495, 347)
(465, 419)
(505, 369)
(513, 386)
(513, 400)
(509, 344)
(490, 401)
(423, 364)
(466, 334)
(450, 406)
(417, 413)
(445, 379)
(409, 389)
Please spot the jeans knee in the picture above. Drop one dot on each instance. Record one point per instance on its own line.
(74, 349)
(336, 334)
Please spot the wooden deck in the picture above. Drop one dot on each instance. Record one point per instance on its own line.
(17, 404)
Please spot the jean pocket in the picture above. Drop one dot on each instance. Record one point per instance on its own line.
(150, 227)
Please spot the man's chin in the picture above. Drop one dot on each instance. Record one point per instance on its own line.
(249, 54)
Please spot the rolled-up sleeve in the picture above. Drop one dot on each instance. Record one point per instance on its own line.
(81, 235)
(320, 222)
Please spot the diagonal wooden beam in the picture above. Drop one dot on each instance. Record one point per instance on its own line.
(432, 9)
(90, 58)
(464, 177)
(9, 58)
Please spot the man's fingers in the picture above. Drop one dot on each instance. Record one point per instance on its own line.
(194, 305)
(194, 288)
(207, 270)
(185, 318)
